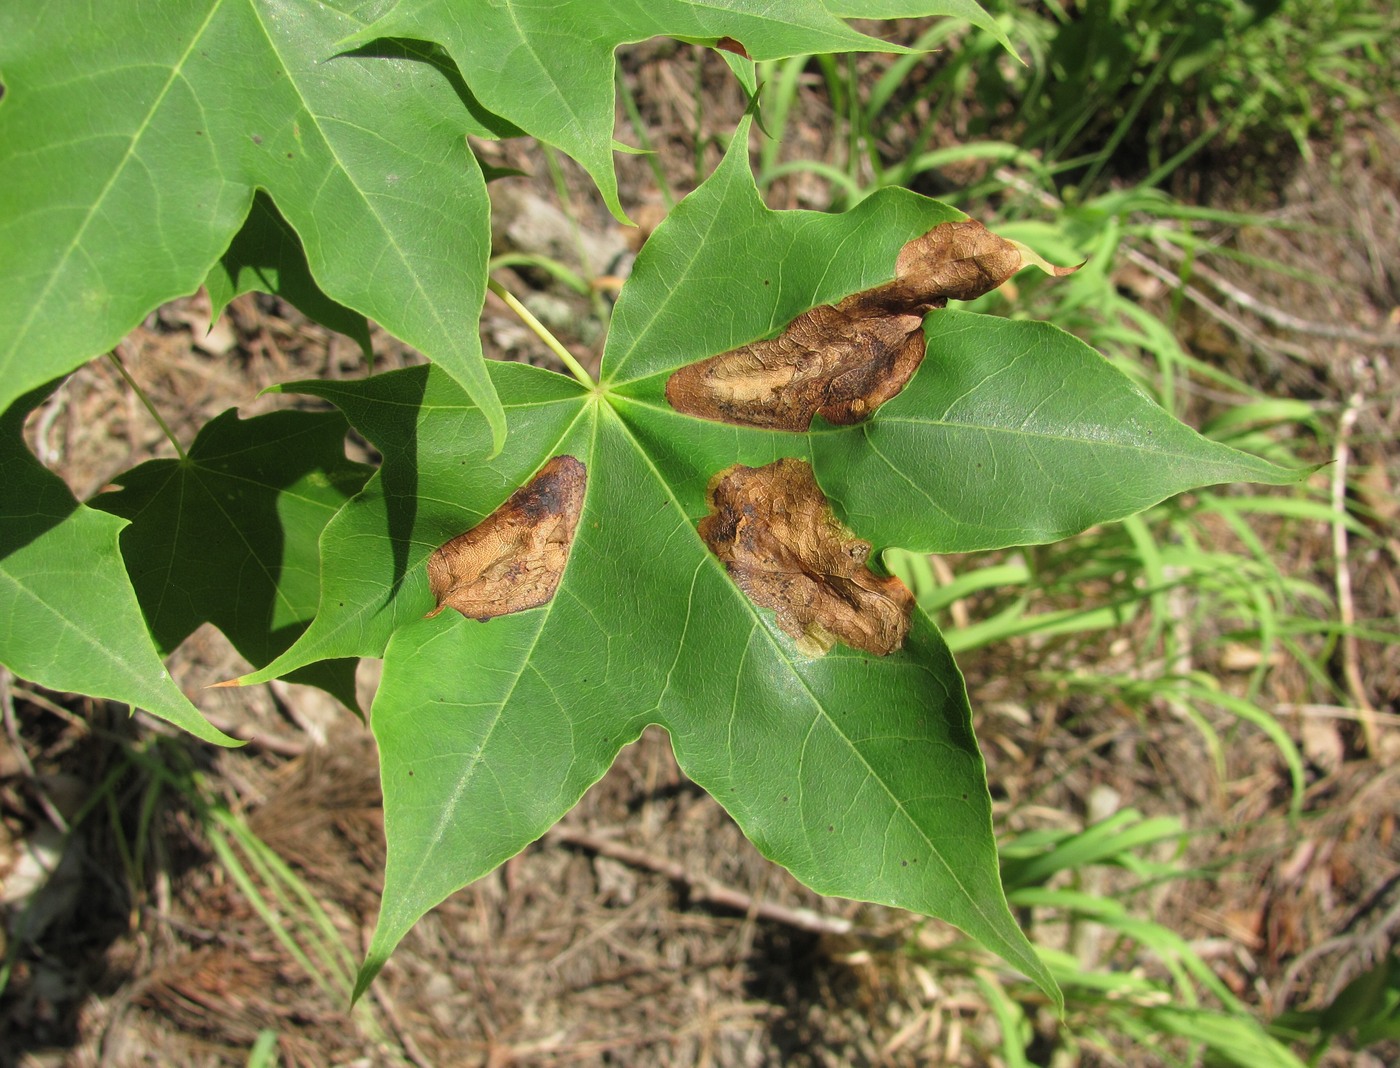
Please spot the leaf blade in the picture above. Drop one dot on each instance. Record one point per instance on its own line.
(548, 65)
(724, 270)
(69, 619)
(266, 256)
(229, 534)
(128, 143)
(427, 490)
(1014, 433)
(647, 627)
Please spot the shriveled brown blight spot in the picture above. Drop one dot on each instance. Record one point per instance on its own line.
(513, 558)
(845, 360)
(777, 536)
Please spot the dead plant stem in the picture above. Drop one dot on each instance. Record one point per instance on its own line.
(1346, 607)
(1277, 316)
(703, 889)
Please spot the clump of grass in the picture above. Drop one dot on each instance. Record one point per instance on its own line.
(1120, 87)
(1132, 986)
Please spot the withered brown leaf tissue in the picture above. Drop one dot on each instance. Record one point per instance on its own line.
(845, 360)
(512, 559)
(780, 541)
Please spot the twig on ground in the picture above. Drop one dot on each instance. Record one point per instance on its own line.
(1213, 309)
(957, 611)
(1346, 606)
(1232, 292)
(1333, 712)
(38, 700)
(21, 757)
(702, 889)
(390, 1010)
(1363, 936)
(1277, 316)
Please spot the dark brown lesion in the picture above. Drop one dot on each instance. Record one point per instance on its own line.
(783, 546)
(512, 560)
(845, 360)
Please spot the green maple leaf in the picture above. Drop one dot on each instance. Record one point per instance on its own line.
(69, 619)
(228, 534)
(974, 428)
(858, 773)
(547, 65)
(133, 138)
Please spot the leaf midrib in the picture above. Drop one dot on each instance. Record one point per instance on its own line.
(320, 122)
(466, 775)
(878, 420)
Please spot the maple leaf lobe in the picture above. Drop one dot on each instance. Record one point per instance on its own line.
(844, 360)
(513, 559)
(778, 538)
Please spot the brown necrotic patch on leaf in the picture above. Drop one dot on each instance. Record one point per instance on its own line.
(776, 534)
(845, 360)
(513, 558)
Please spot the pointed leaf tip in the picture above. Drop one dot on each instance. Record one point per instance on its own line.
(1031, 258)
(69, 615)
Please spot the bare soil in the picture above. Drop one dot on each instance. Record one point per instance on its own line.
(646, 930)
